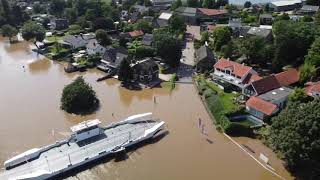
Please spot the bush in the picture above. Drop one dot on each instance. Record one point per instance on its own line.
(79, 97)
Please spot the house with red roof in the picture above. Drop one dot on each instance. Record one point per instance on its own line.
(313, 89)
(261, 86)
(205, 14)
(288, 77)
(260, 108)
(135, 33)
(234, 73)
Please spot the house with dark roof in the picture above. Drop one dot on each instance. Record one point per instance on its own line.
(308, 10)
(265, 19)
(260, 32)
(165, 3)
(112, 58)
(261, 86)
(313, 89)
(59, 24)
(141, 9)
(147, 39)
(134, 17)
(93, 47)
(234, 73)
(163, 20)
(188, 14)
(211, 15)
(204, 59)
(145, 71)
(77, 41)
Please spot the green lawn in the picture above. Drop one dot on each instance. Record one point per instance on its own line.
(54, 38)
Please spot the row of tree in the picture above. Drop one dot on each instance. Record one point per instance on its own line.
(211, 4)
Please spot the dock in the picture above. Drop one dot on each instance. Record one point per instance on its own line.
(82, 148)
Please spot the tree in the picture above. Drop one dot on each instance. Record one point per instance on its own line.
(313, 2)
(71, 14)
(208, 4)
(283, 17)
(177, 24)
(176, 4)
(247, 4)
(79, 97)
(294, 134)
(125, 71)
(253, 49)
(221, 36)
(143, 25)
(307, 19)
(307, 72)
(167, 47)
(231, 50)
(313, 56)
(193, 3)
(103, 23)
(74, 29)
(37, 9)
(221, 3)
(33, 31)
(57, 7)
(299, 96)
(291, 46)
(317, 18)
(103, 37)
(9, 31)
(90, 14)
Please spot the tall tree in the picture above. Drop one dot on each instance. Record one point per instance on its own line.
(177, 24)
(193, 3)
(143, 25)
(253, 49)
(247, 4)
(221, 36)
(299, 96)
(317, 18)
(167, 47)
(57, 7)
(71, 15)
(125, 71)
(313, 2)
(307, 72)
(33, 31)
(103, 23)
(313, 56)
(103, 37)
(9, 31)
(291, 46)
(176, 4)
(294, 134)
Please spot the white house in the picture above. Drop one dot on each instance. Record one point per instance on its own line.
(234, 73)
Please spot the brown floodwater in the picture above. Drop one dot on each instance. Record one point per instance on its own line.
(30, 90)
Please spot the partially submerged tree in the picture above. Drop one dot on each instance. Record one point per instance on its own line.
(9, 31)
(33, 31)
(79, 97)
(125, 72)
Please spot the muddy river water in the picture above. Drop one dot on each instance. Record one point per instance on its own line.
(30, 90)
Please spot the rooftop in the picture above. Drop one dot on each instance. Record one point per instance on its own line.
(265, 84)
(286, 3)
(276, 94)
(309, 8)
(136, 33)
(237, 69)
(259, 31)
(165, 16)
(287, 77)
(85, 125)
(212, 12)
(186, 11)
(312, 88)
(261, 105)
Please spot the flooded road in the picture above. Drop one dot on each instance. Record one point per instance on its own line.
(30, 117)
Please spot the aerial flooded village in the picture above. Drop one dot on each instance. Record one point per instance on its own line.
(102, 89)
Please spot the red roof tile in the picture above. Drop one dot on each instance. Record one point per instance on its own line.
(136, 33)
(211, 27)
(237, 69)
(212, 12)
(266, 84)
(314, 87)
(261, 105)
(288, 77)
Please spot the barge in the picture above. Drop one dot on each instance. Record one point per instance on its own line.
(89, 142)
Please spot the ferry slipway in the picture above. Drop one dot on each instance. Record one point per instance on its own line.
(88, 142)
